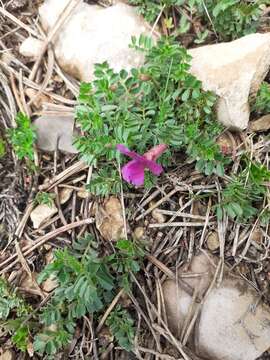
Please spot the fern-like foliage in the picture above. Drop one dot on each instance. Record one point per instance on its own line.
(86, 284)
(23, 137)
(161, 102)
(243, 195)
(122, 327)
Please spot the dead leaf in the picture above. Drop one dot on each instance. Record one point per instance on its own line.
(257, 235)
(83, 194)
(225, 142)
(109, 219)
(198, 208)
(29, 284)
(30, 348)
(25, 266)
(49, 284)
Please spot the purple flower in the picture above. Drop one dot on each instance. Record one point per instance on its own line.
(133, 171)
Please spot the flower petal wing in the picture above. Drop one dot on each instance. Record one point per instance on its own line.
(155, 168)
(124, 150)
(133, 172)
(155, 152)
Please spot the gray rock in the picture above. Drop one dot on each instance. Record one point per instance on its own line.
(230, 326)
(55, 132)
(233, 71)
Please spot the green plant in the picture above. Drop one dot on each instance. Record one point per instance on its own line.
(229, 19)
(233, 18)
(160, 102)
(262, 101)
(23, 137)
(126, 261)
(122, 327)
(12, 305)
(245, 191)
(44, 198)
(150, 9)
(86, 283)
(2, 148)
(11, 302)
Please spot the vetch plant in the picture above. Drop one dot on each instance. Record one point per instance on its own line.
(22, 138)
(243, 195)
(122, 327)
(11, 304)
(158, 103)
(44, 198)
(228, 19)
(262, 101)
(87, 283)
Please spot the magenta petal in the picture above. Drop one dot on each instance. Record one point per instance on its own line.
(155, 152)
(155, 168)
(124, 150)
(133, 172)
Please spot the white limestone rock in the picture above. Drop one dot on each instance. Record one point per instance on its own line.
(94, 34)
(31, 47)
(230, 326)
(233, 71)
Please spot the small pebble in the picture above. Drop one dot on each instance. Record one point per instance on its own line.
(138, 233)
(212, 241)
(158, 216)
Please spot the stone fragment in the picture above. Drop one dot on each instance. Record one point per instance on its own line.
(94, 34)
(55, 132)
(65, 195)
(212, 241)
(139, 233)
(109, 219)
(31, 47)
(231, 326)
(177, 303)
(233, 71)
(261, 124)
(42, 213)
(233, 323)
(225, 143)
